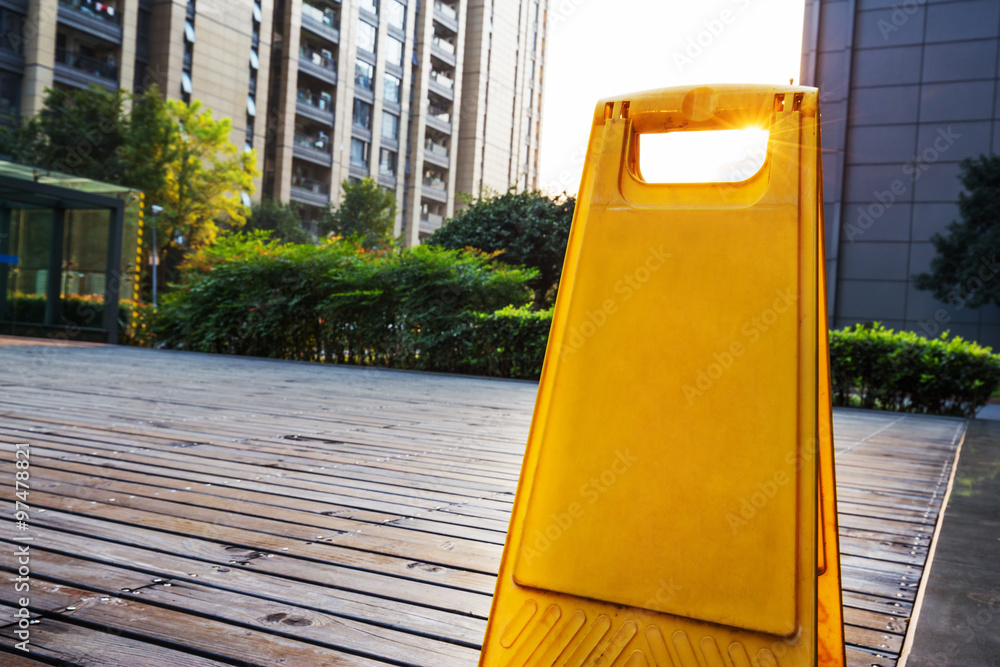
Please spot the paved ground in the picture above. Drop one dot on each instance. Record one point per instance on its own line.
(959, 621)
(200, 510)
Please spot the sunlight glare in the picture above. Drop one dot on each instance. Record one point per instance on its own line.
(706, 156)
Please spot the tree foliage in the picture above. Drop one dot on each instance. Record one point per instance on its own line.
(112, 137)
(282, 220)
(964, 271)
(528, 228)
(205, 176)
(177, 154)
(367, 213)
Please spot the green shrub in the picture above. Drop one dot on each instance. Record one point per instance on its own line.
(875, 367)
(506, 343)
(333, 302)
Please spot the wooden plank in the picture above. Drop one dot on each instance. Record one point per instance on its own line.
(177, 631)
(63, 643)
(234, 465)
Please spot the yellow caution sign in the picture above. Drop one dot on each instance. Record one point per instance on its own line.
(677, 503)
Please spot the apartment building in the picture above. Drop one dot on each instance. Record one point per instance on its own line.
(324, 90)
(907, 90)
(398, 91)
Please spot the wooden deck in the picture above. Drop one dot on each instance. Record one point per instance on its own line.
(198, 510)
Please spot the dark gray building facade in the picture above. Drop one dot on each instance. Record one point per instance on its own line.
(908, 89)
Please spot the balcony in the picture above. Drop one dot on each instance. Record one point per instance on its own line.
(318, 64)
(318, 108)
(435, 188)
(189, 12)
(446, 15)
(77, 70)
(442, 85)
(436, 154)
(307, 191)
(430, 223)
(323, 23)
(439, 119)
(444, 51)
(255, 39)
(315, 149)
(92, 18)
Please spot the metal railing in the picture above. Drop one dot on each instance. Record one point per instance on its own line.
(319, 59)
(107, 68)
(98, 10)
(316, 143)
(310, 185)
(446, 10)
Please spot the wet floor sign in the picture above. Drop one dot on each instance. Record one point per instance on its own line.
(676, 505)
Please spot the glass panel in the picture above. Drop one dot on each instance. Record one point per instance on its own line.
(10, 93)
(370, 6)
(394, 52)
(364, 74)
(387, 162)
(390, 126)
(396, 14)
(30, 238)
(359, 152)
(366, 36)
(391, 88)
(85, 259)
(362, 114)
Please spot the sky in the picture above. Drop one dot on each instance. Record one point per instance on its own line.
(604, 48)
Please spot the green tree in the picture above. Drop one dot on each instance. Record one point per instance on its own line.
(528, 228)
(112, 137)
(283, 220)
(367, 213)
(964, 271)
(206, 176)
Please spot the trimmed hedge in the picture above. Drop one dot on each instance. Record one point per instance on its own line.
(423, 308)
(875, 367)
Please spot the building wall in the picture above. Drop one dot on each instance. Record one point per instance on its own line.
(908, 90)
(502, 85)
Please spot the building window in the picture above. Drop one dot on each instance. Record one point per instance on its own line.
(370, 6)
(394, 52)
(364, 75)
(366, 36)
(254, 59)
(359, 153)
(11, 31)
(390, 126)
(387, 162)
(395, 13)
(186, 83)
(391, 88)
(189, 31)
(362, 114)
(10, 93)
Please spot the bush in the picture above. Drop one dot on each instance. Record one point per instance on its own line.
(334, 302)
(506, 343)
(875, 367)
